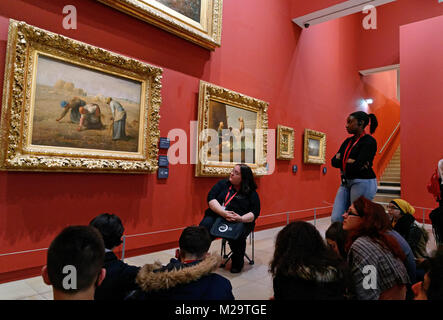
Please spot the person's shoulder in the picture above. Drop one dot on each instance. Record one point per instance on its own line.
(254, 194)
(361, 243)
(369, 138)
(223, 183)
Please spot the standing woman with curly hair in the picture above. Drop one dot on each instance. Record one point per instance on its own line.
(354, 159)
(372, 252)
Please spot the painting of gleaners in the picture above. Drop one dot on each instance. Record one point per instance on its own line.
(79, 107)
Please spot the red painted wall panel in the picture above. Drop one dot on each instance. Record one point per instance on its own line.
(309, 78)
(380, 47)
(421, 75)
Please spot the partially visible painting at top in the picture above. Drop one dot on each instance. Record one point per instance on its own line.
(188, 8)
(199, 21)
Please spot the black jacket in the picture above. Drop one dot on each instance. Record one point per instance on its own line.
(415, 235)
(308, 284)
(363, 153)
(119, 280)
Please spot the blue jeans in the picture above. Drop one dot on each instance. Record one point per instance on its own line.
(349, 192)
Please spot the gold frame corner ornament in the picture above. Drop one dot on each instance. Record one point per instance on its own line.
(281, 153)
(25, 44)
(209, 168)
(321, 137)
(205, 33)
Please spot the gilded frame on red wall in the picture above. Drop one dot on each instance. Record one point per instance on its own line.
(232, 129)
(45, 72)
(285, 143)
(314, 147)
(198, 21)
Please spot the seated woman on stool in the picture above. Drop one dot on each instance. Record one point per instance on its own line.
(235, 199)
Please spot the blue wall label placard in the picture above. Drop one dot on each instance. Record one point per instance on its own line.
(163, 161)
(163, 173)
(325, 170)
(164, 143)
(294, 168)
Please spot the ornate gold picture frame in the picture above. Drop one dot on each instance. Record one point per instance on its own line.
(314, 147)
(69, 106)
(232, 128)
(199, 21)
(285, 143)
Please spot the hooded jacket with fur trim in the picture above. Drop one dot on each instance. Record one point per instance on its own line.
(183, 281)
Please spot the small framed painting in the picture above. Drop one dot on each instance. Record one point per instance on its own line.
(285, 143)
(314, 147)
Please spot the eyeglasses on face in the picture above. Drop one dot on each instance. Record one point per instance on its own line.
(350, 213)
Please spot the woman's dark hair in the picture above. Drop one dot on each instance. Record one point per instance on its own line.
(336, 233)
(375, 224)
(365, 119)
(111, 228)
(247, 179)
(299, 244)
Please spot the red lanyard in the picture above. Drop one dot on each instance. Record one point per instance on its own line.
(348, 153)
(227, 195)
(190, 261)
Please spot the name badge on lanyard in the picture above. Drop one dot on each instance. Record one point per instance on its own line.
(226, 202)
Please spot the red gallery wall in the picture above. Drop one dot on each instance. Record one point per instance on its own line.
(308, 77)
(421, 50)
(381, 47)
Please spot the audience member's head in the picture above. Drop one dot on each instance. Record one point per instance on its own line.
(75, 263)
(194, 243)
(111, 228)
(336, 238)
(431, 288)
(298, 245)
(399, 207)
(367, 218)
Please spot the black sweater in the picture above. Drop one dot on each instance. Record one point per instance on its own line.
(240, 204)
(363, 153)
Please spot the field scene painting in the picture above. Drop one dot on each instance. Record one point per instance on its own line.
(78, 107)
(188, 8)
(236, 130)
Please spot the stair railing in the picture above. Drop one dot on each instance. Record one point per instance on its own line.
(390, 137)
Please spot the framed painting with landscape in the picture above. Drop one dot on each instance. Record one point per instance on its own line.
(69, 106)
(314, 147)
(232, 129)
(199, 21)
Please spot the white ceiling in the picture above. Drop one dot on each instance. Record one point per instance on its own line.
(337, 11)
